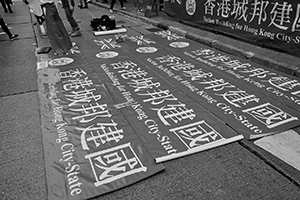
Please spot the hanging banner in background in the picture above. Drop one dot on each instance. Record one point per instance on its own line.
(89, 147)
(270, 23)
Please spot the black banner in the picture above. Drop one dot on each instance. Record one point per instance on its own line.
(271, 23)
(90, 149)
(223, 85)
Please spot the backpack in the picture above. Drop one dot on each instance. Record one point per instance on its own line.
(103, 24)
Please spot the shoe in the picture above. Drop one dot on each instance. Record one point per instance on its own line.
(61, 54)
(73, 31)
(123, 8)
(10, 11)
(111, 11)
(85, 7)
(76, 34)
(80, 6)
(13, 37)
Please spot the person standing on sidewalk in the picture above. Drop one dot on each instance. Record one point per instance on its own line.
(57, 33)
(6, 30)
(6, 6)
(68, 6)
(112, 3)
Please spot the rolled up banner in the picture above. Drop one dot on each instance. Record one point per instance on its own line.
(121, 30)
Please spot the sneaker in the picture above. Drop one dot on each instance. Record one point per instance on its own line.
(61, 54)
(123, 8)
(76, 34)
(13, 37)
(111, 11)
(73, 31)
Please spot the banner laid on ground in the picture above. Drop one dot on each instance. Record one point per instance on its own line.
(169, 123)
(253, 100)
(90, 149)
(222, 85)
(270, 23)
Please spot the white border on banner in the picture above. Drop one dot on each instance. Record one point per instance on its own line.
(198, 149)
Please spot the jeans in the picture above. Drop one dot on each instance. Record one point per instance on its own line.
(6, 5)
(83, 1)
(113, 3)
(70, 18)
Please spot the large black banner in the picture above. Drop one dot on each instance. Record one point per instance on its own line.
(245, 96)
(89, 147)
(271, 23)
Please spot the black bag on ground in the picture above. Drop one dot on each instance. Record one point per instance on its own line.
(104, 23)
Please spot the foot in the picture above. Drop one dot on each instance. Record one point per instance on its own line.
(111, 11)
(73, 31)
(123, 8)
(76, 34)
(80, 6)
(85, 7)
(13, 37)
(61, 54)
(10, 11)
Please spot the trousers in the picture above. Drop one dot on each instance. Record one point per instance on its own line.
(6, 5)
(57, 33)
(5, 28)
(112, 3)
(70, 18)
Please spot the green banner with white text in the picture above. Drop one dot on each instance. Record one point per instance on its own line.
(270, 23)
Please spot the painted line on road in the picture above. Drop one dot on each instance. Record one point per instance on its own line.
(285, 145)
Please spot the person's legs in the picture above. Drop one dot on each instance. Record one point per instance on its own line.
(4, 5)
(71, 20)
(8, 6)
(122, 4)
(112, 3)
(6, 30)
(57, 33)
(80, 4)
(75, 28)
(85, 4)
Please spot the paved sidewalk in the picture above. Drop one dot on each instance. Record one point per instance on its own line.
(267, 57)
